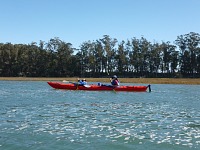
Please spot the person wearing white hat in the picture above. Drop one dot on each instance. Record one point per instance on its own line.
(114, 81)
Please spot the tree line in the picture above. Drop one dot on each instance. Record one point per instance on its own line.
(103, 57)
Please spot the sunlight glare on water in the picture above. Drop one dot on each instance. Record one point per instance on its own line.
(35, 116)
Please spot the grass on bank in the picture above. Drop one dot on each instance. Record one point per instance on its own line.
(195, 81)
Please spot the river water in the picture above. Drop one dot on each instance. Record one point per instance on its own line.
(34, 116)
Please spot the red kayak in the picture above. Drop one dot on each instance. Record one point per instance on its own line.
(92, 87)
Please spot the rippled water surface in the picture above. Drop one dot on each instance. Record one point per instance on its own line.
(35, 116)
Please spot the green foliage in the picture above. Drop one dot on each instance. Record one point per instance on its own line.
(131, 58)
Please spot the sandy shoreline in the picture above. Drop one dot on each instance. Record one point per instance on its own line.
(194, 81)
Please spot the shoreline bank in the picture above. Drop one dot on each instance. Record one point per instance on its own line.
(193, 81)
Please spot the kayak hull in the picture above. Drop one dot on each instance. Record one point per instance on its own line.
(73, 86)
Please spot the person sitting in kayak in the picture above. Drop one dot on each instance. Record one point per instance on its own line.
(82, 82)
(114, 81)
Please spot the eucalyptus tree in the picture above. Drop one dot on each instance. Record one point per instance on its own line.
(122, 58)
(140, 55)
(181, 43)
(155, 58)
(174, 59)
(92, 63)
(186, 65)
(145, 55)
(165, 57)
(128, 66)
(84, 54)
(99, 56)
(64, 55)
(75, 65)
(21, 59)
(193, 43)
(134, 54)
(89, 57)
(189, 47)
(78, 59)
(169, 58)
(33, 57)
(8, 58)
(52, 49)
(60, 57)
(109, 46)
(17, 64)
(42, 61)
